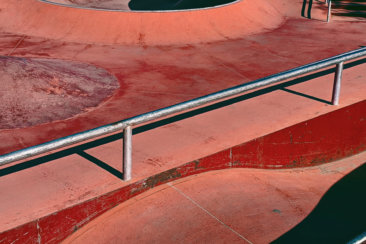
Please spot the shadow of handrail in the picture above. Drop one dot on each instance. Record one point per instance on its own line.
(80, 149)
(101, 164)
(349, 8)
(307, 96)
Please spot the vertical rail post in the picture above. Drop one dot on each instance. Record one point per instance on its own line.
(329, 10)
(337, 83)
(127, 153)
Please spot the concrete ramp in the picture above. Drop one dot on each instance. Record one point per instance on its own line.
(242, 206)
(141, 5)
(160, 59)
(232, 21)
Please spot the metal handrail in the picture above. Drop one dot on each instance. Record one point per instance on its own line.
(126, 125)
(329, 13)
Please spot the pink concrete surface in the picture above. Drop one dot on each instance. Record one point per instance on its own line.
(157, 78)
(69, 181)
(157, 66)
(90, 26)
(154, 74)
(227, 206)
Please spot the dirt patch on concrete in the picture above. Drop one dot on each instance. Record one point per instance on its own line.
(35, 91)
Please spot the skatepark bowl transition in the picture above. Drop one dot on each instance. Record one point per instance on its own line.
(181, 121)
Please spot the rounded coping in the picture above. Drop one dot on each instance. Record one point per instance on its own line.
(138, 11)
(144, 28)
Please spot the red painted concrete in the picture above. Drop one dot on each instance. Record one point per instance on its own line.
(308, 143)
(254, 205)
(57, 226)
(27, 233)
(157, 66)
(158, 78)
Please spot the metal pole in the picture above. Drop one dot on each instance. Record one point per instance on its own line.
(329, 10)
(337, 83)
(127, 153)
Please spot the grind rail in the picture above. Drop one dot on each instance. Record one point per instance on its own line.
(127, 124)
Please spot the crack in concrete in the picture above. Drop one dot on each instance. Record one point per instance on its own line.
(17, 45)
(206, 211)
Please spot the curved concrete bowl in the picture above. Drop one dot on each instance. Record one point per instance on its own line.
(141, 5)
(230, 21)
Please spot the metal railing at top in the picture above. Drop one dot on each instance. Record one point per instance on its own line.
(126, 125)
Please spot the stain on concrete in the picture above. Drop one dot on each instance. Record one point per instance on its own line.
(38, 90)
(277, 211)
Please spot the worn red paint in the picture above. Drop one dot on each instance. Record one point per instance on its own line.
(323, 139)
(27, 233)
(328, 137)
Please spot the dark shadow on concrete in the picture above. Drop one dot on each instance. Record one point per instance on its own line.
(64, 153)
(304, 3)
(349, 8)
(246, 97)
(339, 217)
(101, 164)
(118, 136)
(156, 5)
(307, 96)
